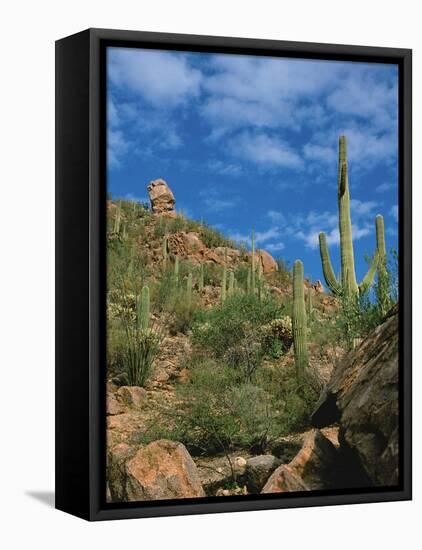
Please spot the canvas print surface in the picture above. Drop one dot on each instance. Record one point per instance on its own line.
(252, 275)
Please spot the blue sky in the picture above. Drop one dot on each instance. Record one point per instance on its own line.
(251, 142)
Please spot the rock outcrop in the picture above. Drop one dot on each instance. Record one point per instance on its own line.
(362, 396)
(162, 470)
(312, 468)
(258, 470)
(269, 265)
(162, 198)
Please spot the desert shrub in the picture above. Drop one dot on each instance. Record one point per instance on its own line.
(218, 412)
(232, 332)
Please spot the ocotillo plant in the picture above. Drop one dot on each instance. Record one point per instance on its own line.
(143, 309)
(347, 284)
(248, 281)
(189, 284)
(299, 324)
(164, 254)
(382, 289)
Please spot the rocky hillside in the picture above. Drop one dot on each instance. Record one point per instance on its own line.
(219, 409)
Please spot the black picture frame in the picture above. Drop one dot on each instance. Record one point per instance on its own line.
(80, 271)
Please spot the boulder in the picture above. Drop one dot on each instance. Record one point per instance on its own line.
(162, 470)
(186, 245)
(269, 265)
(362, 396)
(113, 406)
(162, 198)
(311, 469)
(117, 457)
(132, 396)
(258, 470)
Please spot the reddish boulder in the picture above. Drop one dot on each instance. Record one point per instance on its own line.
(131, 395)
(162, 470)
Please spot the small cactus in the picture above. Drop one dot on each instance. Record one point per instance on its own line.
(299, 322)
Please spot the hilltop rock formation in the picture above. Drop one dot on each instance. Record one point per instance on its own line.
(162, 198)
(362, 396)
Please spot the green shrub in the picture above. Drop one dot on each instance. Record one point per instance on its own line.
(232, 332)
(212, 238)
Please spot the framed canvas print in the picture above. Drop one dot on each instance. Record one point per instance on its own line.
(233, 274)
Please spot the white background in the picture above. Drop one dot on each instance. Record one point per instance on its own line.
(27, 37)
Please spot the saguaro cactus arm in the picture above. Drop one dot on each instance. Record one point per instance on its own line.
(367, 281)
(327, 267)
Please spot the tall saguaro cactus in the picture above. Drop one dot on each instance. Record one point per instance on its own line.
(299, 324)
(347, 284)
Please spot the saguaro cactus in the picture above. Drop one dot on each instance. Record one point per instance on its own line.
(309, 304)
(176, 269)
(253, 263)
(382, 289)
(224, 278)
(164, 254)
(143, 309)
(189, 284)
(117, 217)
(299, 321)
(201, 278)
(347, 283)
(231, 283)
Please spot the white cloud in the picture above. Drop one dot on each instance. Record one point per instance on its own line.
(265, 151)
(117, 146)
(224, 168)
(163, 79)
(320, 153)
(275, 216)
(360, 208)
(385, 187)
(395, 212)
(274, 247)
